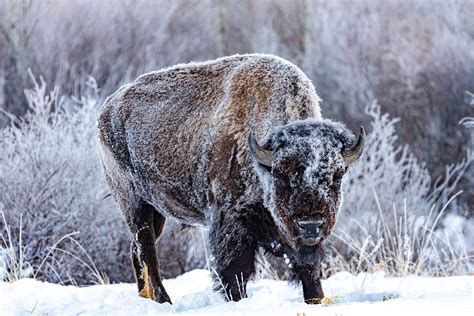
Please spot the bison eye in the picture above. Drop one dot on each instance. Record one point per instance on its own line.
(337, 180)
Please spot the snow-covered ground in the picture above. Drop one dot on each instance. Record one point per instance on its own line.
(365, 294)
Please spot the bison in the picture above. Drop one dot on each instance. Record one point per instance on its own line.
(236, 145)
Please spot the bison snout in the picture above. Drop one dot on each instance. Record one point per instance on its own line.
(310, 231)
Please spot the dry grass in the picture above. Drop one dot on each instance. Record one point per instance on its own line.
(412, 246)
(14, 264)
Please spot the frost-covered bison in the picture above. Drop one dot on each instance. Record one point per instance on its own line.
(237, 145)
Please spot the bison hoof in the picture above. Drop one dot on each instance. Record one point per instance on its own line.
(160, 298)
(313, 301)
(324, 301)
(164, 298)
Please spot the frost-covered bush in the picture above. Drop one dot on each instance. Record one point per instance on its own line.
(112, 40)
(392, 175)
(51, 181)
(415, 57)
(393, 212)
(51, 185)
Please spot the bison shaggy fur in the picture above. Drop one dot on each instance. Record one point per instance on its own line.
(236, 145)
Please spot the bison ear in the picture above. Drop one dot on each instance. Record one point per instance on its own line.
(355, 152)
(263, 156)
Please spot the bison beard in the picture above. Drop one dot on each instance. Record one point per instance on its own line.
(183, 143)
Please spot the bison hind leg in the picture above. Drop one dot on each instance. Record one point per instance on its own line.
(146, 225)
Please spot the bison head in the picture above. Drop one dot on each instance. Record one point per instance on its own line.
(301, 167)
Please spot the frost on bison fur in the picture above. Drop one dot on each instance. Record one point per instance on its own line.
(183, 143)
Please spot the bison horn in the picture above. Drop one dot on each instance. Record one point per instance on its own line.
(263, 156)
(356, 151)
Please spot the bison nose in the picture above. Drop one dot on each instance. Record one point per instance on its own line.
(310, 229)
(310, 232)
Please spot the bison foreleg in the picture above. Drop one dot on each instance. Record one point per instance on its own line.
(311, 280)
(233, 248)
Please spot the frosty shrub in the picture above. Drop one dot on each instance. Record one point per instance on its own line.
(415, 57)
(393, 215)
(52, 186)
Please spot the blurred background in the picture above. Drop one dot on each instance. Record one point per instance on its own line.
(404, 69)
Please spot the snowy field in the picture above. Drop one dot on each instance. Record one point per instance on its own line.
(365, 294)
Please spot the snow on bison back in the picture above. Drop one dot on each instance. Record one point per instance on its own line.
(236, 144)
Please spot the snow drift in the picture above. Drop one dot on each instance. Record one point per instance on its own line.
(367, 294)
